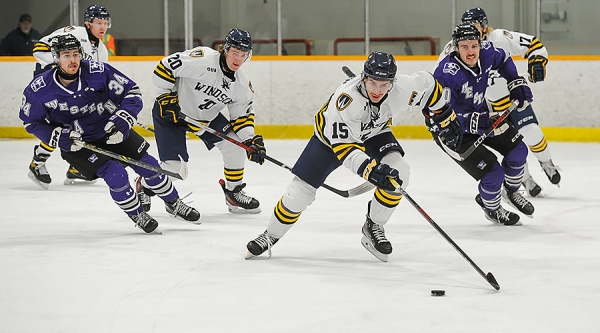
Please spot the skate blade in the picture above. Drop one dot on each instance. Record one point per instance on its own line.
(367, 245)
(156, 232)
(37, 181)
(197, 222)
(240, 210)
(249, 255)
(69, 181)
(505, 225)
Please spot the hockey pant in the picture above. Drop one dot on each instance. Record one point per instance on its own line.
(299, 195)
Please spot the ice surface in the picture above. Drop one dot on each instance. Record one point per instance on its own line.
(73, 262)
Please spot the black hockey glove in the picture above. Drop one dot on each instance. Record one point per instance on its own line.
(451, 132)
(378, 173)
(537, 68)
(169, 106)
(519, 91)
(256, 143)
(66, 139)
(118, 127)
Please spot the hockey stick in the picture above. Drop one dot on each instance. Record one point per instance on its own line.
(363, 188)
(488, 277)
(348, 72)
(146, 127)
(463, 156)
(128, 160)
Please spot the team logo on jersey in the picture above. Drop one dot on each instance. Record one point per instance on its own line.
(96, 67)
(53, 104)
(69, 28)
(451, 68)
(199, 53)
(226, 84)
(485, 44)
(507, 34)
(38, 84)
(343, 101)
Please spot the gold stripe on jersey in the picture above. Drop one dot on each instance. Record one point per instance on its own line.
(540, 147)
(436, 94)
(320, 123)
(233, 175)
(41, 47)
(164, 73)
(45, 146)
(242, 122)
(284, 215)
(501, 104)
(387, 199)
(341, 150)
(387, 124)
(535, 45)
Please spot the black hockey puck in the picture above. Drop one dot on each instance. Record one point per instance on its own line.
(438, 292)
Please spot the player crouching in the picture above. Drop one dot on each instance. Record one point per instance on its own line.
(89, 101)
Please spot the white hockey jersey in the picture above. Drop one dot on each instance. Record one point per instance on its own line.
(204, 90)
(348, 118)
(513, 43)
(41, 50)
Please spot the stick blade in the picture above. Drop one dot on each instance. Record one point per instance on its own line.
(348, 72)
(492, 281)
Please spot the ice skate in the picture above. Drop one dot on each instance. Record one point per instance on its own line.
(37, 169)
(145, 222)
(499, 216)
(74, 177)
(532, 188)
(179, 210)
(261, 244)
(551, 172)
(238, 202)
(145, 199)
(374, 240)
(516, 199)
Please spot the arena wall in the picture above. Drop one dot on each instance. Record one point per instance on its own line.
(290, 90)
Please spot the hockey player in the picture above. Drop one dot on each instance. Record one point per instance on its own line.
(530, 48)
(90, 101)
(353, 129)
(97, 22)
(200, 83)
(465, 73)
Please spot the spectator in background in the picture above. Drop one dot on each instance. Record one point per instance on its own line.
(20, 41)
(109, 42)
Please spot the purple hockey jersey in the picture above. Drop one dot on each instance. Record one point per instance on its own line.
(467, 85)
(84, 106)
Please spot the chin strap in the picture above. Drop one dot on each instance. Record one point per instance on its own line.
(66, 76)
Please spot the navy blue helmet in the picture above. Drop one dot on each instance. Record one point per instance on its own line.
(64, 43)
(465, 31)
(380, 66)
(475, 15)
(238, 39)
(96, 11)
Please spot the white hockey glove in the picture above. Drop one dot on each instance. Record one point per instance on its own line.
(66, 139)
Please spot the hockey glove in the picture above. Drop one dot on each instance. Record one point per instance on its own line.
(169, 106)
(451, 133)
(537, 68)
(67, 138)
(256, 143)
(378, 173)
(519, 91)
(118, 127)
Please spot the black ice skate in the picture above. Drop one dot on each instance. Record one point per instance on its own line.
(374, 240)
(145, 222)
(261, 244)
(238, 202)
(533, 189)
(74, 177)
(517, 200)
(499, 216)
(179, 210)
(551, 172)
(145, 198)
(37, 170)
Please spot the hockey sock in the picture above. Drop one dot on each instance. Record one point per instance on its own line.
(490, 186)
(513, 165)
(535, 140)
(124, 196)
